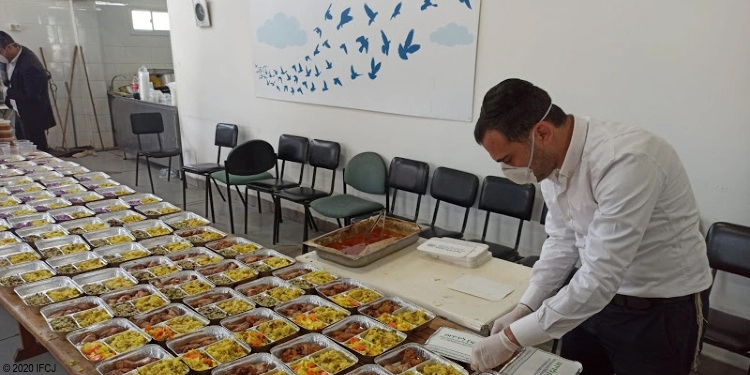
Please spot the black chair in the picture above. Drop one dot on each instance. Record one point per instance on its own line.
(530, 260)
(292, 149)
(151, 123)
(248, 161)
(323, 155)
(502, 196)
(728, 251)
(410, 176)
(455, 187)
(225, 136)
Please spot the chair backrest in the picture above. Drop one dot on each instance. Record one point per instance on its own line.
(251, 158)
(410, 176)
(146, 123)
(367, 173)
(503, 196)
(729, 248)
(225, 136)
(325, 155)
(292, 148)
(455, 187)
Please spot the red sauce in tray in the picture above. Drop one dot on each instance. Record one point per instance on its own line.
(356, 244)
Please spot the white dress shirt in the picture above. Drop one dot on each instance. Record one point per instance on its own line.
(623, 206)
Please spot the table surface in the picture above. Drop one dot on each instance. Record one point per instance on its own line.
(421, 279)
(57, 345)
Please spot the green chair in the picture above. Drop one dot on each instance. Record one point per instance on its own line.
(246, 163)
(366, 172)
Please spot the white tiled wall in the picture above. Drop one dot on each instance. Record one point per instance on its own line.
(109, 47)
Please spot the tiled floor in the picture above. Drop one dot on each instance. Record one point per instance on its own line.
(259, 229)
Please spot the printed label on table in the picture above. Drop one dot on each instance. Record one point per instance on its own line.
(453, 344)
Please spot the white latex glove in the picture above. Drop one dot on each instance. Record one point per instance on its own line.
(492, 352)
(519, 312)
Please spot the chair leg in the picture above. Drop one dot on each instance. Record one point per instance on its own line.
(242, 198)
(210, 198)
(169, 169)
(184, 193)
(246, 210)
(150, 179)
(314, 225)
(218, 189)
(338, 221)
(137, 165)
(305, 232)
(206, 194)
(259, 209)
(276, 204)
(229, 200)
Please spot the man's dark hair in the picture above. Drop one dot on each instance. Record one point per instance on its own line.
(513, 107)
(5, 39)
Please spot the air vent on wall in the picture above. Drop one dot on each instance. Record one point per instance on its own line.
(200, 10)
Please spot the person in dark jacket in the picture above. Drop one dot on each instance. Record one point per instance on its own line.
(26, 91)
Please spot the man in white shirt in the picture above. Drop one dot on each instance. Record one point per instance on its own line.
(619, 202)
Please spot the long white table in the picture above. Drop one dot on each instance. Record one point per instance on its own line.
(423, 280)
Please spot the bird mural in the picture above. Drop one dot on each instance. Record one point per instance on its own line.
(343, 46)
(329, 65)
(308, 72)
(325, 86)
(345, 18)
(408, 48)
(428, 4)
(354, 73)
(317, 50)
(317, 72)
(364, 44)
(386, 43)
(374, 69)
(328, 15)
(307, 58)
(312, 87)
(325, 44)
(466, 2)
(296, 79)
(396, 10)
(370, 15)
(318, 31)
(337, 82)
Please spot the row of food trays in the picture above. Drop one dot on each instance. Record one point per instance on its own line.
(143, 288)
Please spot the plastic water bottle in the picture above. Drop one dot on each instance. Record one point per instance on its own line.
(134, 84)
(143, 83)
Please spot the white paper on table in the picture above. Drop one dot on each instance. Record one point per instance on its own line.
(482, 288)
(535, 361)
(452, 343)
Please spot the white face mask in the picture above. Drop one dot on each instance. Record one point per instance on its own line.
(524, 175)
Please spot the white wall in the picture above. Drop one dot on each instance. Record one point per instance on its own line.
(677, 68)
(124, 51)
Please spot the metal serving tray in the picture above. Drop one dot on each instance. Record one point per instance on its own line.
(408, 231)
(104, 281)
(76, 313)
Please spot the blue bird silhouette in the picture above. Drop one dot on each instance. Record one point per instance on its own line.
(326, 45)
(299, 66)
(275, 72)
(329, 64)
(404, 50)
(374, 69)
(318, 31)
(386, 43)
(304, 83)
(307, 72)
(281, 69)
(343, 46)
(354, 74)
(292, 91)
(288, 77)
(278, 88)
(312, 87)
(296, 79)
(467, 2)
(307, 58)
(364, 44)
(317, 50)
(317, 72)
(299, 90)
(325, 86)
(396, 11)
(427, 4)
(345, 18)
(286, 88)
(294, 67)
(370, 14)
(328, 15)
(337, 81)
(281, 80)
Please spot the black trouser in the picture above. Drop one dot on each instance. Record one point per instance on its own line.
(32, 133)
(659, 340)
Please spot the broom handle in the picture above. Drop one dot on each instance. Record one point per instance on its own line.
(54, 94)
(91, 95)
(70, 91)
